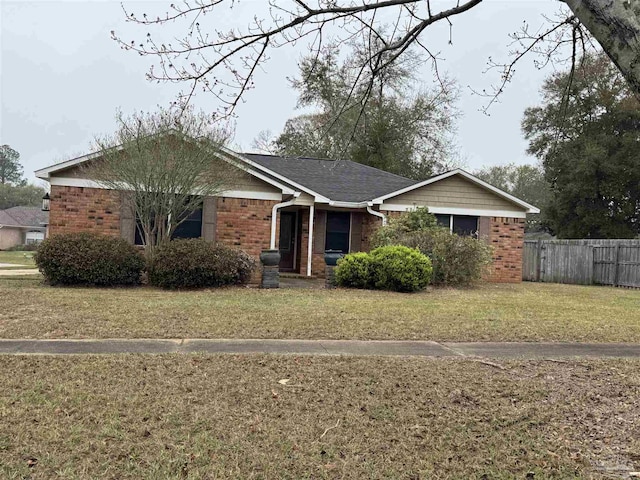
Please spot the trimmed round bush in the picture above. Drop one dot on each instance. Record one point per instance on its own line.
(353, 270)
(195, 263)
(89, 259)
(399, 268)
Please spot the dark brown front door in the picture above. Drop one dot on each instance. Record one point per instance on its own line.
(287, 241)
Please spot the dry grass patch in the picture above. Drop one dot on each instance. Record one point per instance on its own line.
(528, 312)
(230, 417)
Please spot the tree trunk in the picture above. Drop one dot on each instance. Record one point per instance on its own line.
(616, 26)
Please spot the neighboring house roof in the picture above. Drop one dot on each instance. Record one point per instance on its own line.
(24, 217)
(338, 180)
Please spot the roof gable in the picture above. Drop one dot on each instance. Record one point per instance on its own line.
(503, 199)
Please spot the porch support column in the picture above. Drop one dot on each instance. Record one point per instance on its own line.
(274, 218)
(310, 246)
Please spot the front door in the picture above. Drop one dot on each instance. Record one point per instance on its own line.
(287, 241)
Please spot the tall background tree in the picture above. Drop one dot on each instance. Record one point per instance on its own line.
(164, 163)
(224, 61)
(586, 135)
(20, 195)
(10, 168)
(402, 129)
(14, 189)
(523, 181)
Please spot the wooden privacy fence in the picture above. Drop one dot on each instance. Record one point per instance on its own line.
(585, 262)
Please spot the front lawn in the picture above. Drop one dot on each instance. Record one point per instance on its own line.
(525, 312)
(22, 259)
(290, 417)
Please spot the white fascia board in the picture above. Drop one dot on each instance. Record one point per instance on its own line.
(250, 195)
(458, 171)
(318, 198)
(45, 173)
(475, 212)
(349, 204)
(81, 182)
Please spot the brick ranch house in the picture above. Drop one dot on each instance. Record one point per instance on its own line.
(304, 206)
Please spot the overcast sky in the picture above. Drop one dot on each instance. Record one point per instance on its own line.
(62, 77)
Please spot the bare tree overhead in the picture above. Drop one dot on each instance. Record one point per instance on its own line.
(224, 62)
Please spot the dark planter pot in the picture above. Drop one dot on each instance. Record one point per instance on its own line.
(331, 257)
(270, 258)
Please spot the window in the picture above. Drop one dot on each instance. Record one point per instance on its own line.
(191, 227)
(444, 220)
(463, 225)
(34, 237)
(338, 231)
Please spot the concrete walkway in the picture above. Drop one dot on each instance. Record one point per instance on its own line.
(19, 272)
(320, 347)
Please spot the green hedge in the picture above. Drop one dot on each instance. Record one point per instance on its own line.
(353, 271)
(195, 263)
(89, 259)
(400, 269)
(395, 268)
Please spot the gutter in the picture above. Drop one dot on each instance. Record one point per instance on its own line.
(368, 206)
(377, 214)
(274, 217)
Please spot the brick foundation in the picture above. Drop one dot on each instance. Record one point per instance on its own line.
(506, 236)
(79, 209)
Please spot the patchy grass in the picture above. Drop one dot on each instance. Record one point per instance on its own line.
(229, 417)
(20, 259)
(525, 312)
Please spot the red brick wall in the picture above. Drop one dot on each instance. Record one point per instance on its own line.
(79, 209)
(370, 223)
(245, 224)
(506, 236)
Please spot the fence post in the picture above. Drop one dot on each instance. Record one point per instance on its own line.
(616, 266)
(538, 259)
(593, 266)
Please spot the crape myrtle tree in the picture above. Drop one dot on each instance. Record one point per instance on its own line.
(588, 144)
(402, 130)
(164, 163)
(224, 62)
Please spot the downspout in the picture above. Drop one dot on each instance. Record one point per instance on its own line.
(312, 210)
(274, 217)
(377, 214)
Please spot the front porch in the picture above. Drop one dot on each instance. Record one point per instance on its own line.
(345, 230)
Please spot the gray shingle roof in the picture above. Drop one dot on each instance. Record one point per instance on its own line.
(24, 217)
(338, 180)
